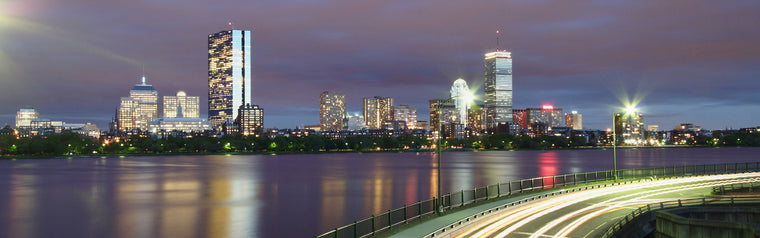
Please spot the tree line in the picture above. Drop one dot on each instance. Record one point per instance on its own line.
(74, 144)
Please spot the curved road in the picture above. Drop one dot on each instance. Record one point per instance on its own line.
(589, 213)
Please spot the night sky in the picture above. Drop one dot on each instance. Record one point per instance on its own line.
(684, 60)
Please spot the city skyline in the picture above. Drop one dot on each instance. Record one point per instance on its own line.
(583, 56)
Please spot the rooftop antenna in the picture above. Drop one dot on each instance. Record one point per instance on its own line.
(229, 23)
(497, 40)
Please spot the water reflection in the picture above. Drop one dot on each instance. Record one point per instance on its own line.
(271, 196)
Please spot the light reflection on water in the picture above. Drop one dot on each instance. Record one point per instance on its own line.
(271, 196)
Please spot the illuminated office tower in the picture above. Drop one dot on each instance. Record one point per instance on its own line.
(332, 109)
(377, 110)
(24, 117)
(462, 97)
(498, 88)
(141, 107)
(229, 75)
(406, 113)
(187, 105)
(574, 120)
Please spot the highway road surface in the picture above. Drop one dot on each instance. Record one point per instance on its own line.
(588, 213)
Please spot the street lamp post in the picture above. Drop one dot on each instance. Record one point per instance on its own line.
(614, 151)
(629, 110)
(438, 147)
(440, 131)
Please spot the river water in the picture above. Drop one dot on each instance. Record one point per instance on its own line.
(295, 195)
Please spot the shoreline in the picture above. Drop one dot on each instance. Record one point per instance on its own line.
(17, 157)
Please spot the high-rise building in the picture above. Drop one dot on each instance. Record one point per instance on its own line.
(547, 115)
(250, 120)
(229, 75)
(574, 120)
(520, 118)
(141, 107)
(377, 110)
(476, 120)
(629, 128)
(498, 88)
(332, 110)
(462, 97)
(447, 114)
(407, 114)
(188, 105)
(24, 117)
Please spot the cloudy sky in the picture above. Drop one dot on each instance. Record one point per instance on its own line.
(683, 60)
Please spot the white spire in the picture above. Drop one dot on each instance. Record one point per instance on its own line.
(143, 79)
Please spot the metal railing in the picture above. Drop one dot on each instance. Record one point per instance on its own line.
(396, 217)
(730, 200)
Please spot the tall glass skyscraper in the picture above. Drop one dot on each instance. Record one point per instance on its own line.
(498, 88)
(229, 75)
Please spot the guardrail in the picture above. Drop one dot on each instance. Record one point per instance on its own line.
(731, 200)
(397, 217)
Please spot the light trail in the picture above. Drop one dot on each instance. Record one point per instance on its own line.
(564, 232)
(510, 220)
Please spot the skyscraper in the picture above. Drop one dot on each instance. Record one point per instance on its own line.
(188, 105)
(229, 75)
(332, 109)
(498, 88)
(141, 107)
(406, 113)
(461, 95)
(377, 110)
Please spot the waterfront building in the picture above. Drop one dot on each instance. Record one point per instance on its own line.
(408, 114)
(83, 129)
(43, 126)
(476, 119)
(355, 122)
(24, 117)
(520, 118)
(462, 98)
(137, 110)
(547, 115)
(498, 88)
(179, 124)
(653, 128)
(629, 128)
(229, 75)
(574, 120)
(423, 125)
(332, 109)
(447, 116)
(250, 120)
(377, 110)
(188, 105)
